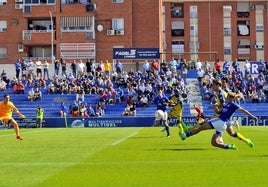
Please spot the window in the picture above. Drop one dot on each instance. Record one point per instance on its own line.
(227, 48)
(227, 29)
(40, 51)
(118, 23)
(259, 28)
(77, 50)
(40, 25)
(37, 2)
(227, 9)
(193, 12)
(194, 30)
(3, 52)
(259, 45)
(117, 1)
(76, 23)
(27, 9)
(177, 28)
(243, 28)
(244, 46)
(3, 26)
(176, 10)
(177, 46)
(3, 2)
(243, 9)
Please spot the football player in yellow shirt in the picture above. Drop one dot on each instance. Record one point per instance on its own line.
(6, 110)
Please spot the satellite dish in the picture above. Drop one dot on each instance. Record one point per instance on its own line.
(100, 28)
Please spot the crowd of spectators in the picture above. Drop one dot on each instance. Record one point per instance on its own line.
(238, 79)
(85, 77)
(132, 88)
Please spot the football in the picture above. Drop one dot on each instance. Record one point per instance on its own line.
(159, 114)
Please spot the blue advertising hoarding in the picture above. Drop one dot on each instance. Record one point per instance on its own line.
(108, 122)
(136, 53)
(256, 67)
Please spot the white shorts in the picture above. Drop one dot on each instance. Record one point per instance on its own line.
(219, 125)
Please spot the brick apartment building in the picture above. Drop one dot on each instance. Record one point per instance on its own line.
(79, 29)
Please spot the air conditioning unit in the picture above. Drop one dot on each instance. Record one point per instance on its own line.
(18, 6)
(110, 32)
(20, 48)
(258, 46)
(18, 1)
(120, 32)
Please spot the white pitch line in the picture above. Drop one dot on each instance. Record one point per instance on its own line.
(125, 138)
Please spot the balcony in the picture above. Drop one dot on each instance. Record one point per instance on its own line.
(37, 36)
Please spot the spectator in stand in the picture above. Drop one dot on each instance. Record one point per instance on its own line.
(63, 110)
(72, 86)
(235, 65)
(83, 110)
(63, 68)
(118, 67)
(173, 65)
(3, 85)
(217, 66)
(247, 67)
(163, 66)
(80, 94)
(31, 94)
(91, 111)
(38, 65)
(144, 102)
(37, 94)
(14, 82)
(119, 94)
(80, 69)
(19, 88)
(100, 109)
(73, 68)
(155, 67)
(64, 87)
(30, 67)
(127, 111)
(207, 67)
(200, 74)
(18, 68)
(51, 88)
(42, 82)
(74, 109)
(107, 68)
(23, 69)
(46, 70)
(56, 67)
(147, 69)
(226, 67)
(198, 64)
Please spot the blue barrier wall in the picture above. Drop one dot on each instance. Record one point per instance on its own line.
(124, 122)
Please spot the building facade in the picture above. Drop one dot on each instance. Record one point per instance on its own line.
(90, 29)
(207, 30)
(76, 29)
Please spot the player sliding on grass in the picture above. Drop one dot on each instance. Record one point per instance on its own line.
(220, 124)
(219, 100)
(6, 109)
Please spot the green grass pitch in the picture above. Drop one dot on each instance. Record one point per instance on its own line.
(79, 157)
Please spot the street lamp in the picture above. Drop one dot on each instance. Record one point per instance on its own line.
(51, 23)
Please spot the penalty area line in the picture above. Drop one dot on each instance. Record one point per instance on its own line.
(125, 138)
